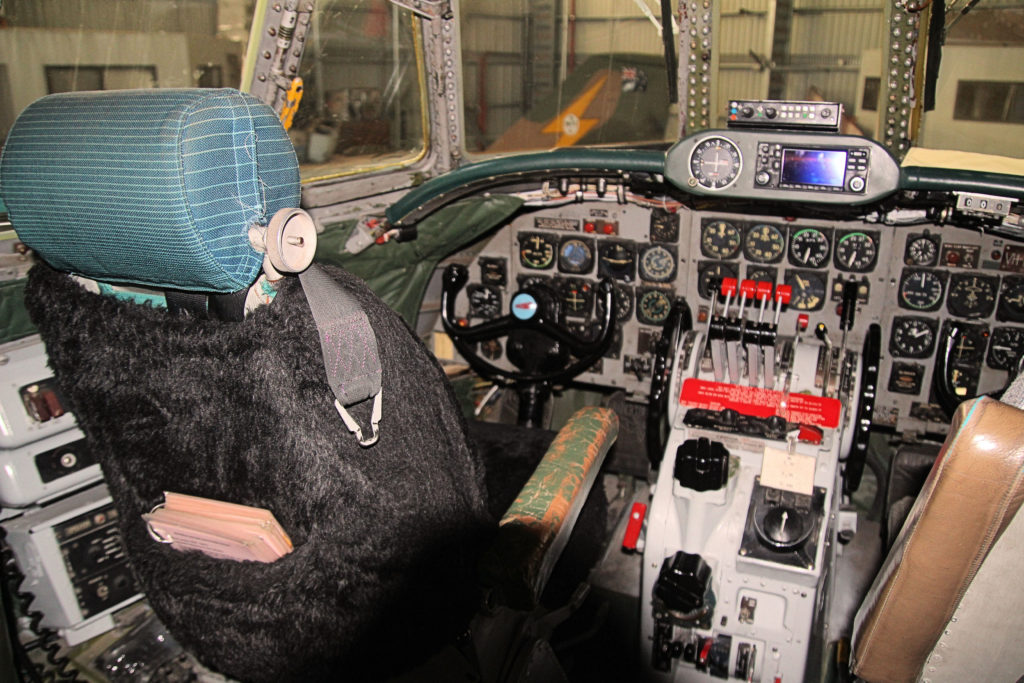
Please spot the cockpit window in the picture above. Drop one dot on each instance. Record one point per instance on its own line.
(51, 46)
(363, 70)
(364, 100)
(558, 74)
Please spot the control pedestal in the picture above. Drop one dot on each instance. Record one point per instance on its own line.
(740, 540)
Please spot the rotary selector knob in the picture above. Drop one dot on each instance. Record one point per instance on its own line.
(762, 178)
(856, 183)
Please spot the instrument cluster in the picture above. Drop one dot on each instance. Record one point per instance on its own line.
(914, 281)
(799, 255)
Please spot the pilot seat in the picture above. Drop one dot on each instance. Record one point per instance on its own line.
(164, 220)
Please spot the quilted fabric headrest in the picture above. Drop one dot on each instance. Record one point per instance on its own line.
(149, 187)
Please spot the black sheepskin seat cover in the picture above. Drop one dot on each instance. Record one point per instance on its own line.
(386, 538)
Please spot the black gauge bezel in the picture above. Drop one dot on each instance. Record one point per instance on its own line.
(1005, 311)
(912, 239)
(550, 240)
(641, 294)
(756, 271)
(624, 272)
(623, 303)
(493, 270)
(668, 276)
(978, 332)
(586, 289)
(702, 278)
(823, 262)
(901, 350)
(909, 273)
(860, 267)
(782, 243)
(664, 225)
(587, 266)
(714, 223)
(994, 337)
(815, 275)
(963, 310)
(474, 308)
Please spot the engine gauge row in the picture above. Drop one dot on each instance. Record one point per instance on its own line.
(969, 295)
(809, 286)
(916, 337)
(618, 259)
(855, 251)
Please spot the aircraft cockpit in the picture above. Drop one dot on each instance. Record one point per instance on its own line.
(429, 340)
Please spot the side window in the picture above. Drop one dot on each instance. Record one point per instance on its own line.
(539, 75)
(363, 102)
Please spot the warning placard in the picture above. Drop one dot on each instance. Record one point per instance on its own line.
(760, 402)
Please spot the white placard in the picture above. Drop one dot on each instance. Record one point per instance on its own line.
(788, 471)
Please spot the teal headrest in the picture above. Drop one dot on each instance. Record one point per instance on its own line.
(149, 187)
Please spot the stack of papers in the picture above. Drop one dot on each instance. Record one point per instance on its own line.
(223, 530)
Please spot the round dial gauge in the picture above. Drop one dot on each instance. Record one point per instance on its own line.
(623, 303)
(616, 260)
(710, 273)
(1011, 302)
(577, 297)
(715, 163)
(856, 252)
(493, 271)
(719, 240)
(808, 290)
(971, 296)
(764, 243)
(653, 306)
(761, 274)
(536, 251)
(809, 248)
(1006, 348)
(657, 264)
(576, 256)
(920, 290)
(912, 337)
(922, 251)
(970, 344)
(484, 301)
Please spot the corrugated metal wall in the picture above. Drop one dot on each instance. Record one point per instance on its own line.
(494, 67)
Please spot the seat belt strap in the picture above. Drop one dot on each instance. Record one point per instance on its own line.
(351, 357)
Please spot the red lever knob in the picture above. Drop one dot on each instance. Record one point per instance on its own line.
(802, 321)
(764, 291)
(784, 293)
(728, 286)
(747, 288)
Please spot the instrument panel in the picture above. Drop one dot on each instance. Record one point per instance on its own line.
(915, 281)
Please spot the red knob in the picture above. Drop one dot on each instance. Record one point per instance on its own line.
(784, 293)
